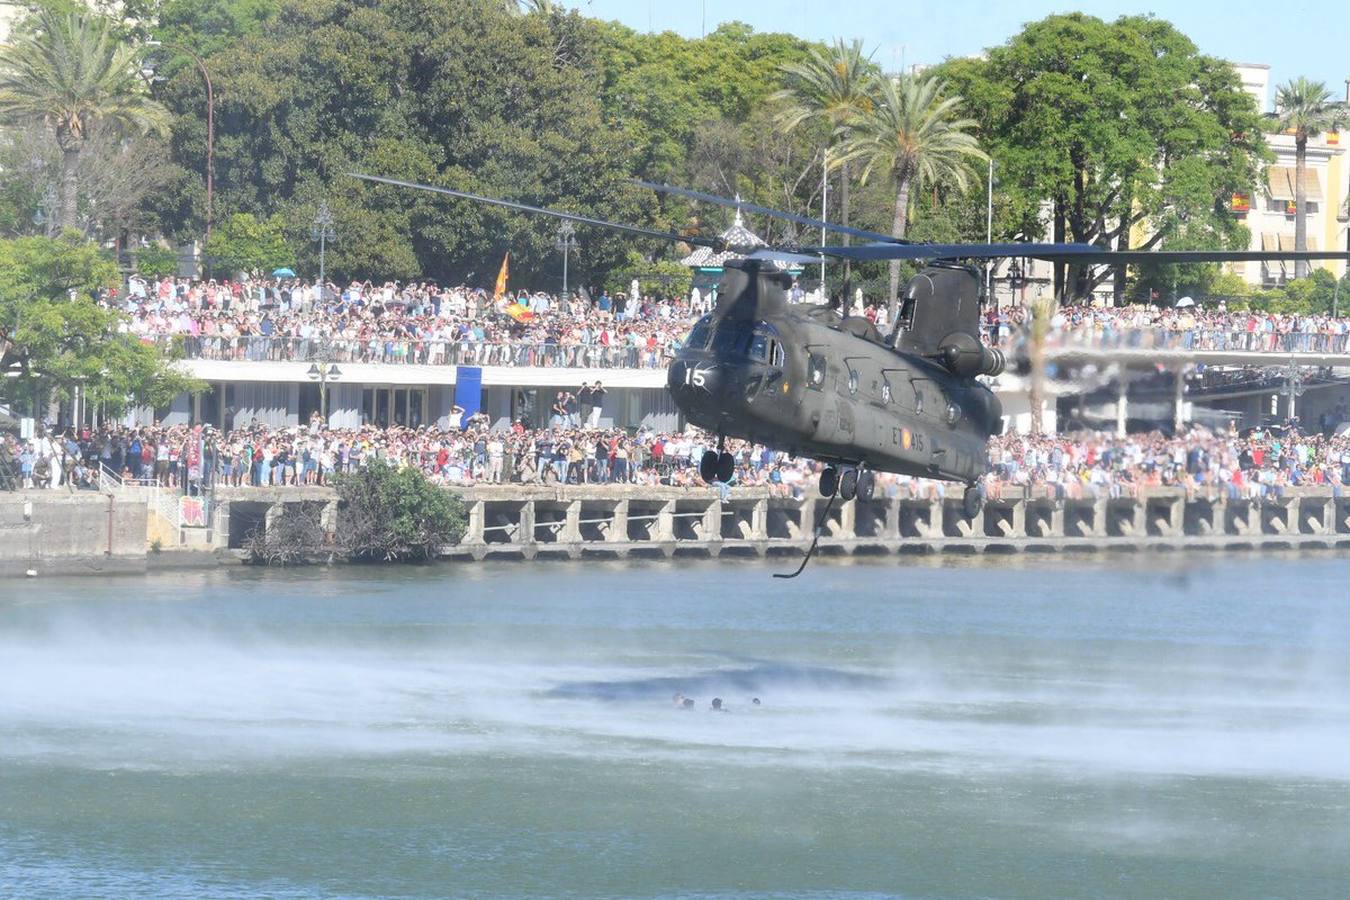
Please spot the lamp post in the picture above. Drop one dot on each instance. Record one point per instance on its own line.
(322, 231)
(210, 124)
(989, 237)
(565, 244)
(1293, 387)
(323, 372)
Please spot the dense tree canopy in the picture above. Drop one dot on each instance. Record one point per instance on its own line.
(54, 337)
(1133, 136)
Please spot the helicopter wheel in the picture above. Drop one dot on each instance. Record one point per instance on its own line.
(848, 485)
(867, 484)
(726, 467)
(707, 466)
(972, 502)
(829, 481)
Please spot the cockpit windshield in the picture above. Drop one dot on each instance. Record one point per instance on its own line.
(758, 342)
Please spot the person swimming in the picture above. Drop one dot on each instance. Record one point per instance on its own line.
(679, 699)
(688, 703)
(717, 705)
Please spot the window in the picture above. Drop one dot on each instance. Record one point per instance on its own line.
(776, 354)
(759, 346)
(730, 340)
(815, 371)
(698, 337)
(852, 381)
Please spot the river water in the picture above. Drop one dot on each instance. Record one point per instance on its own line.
(1141, 726)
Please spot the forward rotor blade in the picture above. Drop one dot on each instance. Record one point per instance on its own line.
(1087, 254)
(570, 217)
(768, 211)
(786, 256)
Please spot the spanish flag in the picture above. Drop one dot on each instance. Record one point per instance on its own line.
(501, 277)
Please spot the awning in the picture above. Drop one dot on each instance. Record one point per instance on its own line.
(1283, 243)
(1280, 181)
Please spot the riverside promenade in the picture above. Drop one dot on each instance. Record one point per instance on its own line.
(613, 521)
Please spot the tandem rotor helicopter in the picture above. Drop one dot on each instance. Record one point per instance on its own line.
(820, 383)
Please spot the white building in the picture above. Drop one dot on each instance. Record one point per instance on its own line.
(1268, 209)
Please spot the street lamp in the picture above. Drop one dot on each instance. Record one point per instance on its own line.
(322, 231)
(148, 72)
(1293, 387)
(565, 244)
(323, 372)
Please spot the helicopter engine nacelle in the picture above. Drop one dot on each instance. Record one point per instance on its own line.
(965, 356)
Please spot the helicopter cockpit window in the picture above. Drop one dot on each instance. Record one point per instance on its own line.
(730, 339)
(776, 354)
(759, 346)
(698, 336)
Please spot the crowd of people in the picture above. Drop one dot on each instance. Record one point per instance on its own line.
(285, 319)
(423, 323)
(1257, 464)
(1147, 327)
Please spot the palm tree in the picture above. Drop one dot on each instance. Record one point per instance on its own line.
(914, 136)
(1306, 108)
(835, 88)
(71, 73)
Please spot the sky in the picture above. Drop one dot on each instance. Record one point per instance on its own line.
(1293, 38)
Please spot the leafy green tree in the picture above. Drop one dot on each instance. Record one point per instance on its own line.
(1132, 136)
(1306, 108)
(156, 261)
(71, 73)
(836, 88)
(243, 243)
(657, 277)
(913, 137)
(55, 337)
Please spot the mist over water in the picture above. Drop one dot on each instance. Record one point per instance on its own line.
(1175, 726)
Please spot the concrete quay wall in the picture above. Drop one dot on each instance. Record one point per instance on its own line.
(54, 532)
(528, 522)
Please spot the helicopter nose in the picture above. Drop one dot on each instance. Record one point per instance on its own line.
(694, 380)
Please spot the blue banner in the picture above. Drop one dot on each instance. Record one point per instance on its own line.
(469, 389)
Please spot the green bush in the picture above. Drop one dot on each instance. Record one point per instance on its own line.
(388, 514)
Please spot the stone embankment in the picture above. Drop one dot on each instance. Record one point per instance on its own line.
(526, 522)
(53, 532)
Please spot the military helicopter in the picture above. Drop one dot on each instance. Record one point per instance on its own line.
(825, 384)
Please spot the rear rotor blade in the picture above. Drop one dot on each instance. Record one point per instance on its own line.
(768, 211)
(570, 217)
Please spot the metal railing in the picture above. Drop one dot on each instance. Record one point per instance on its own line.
(422, 352)
(1108, 338)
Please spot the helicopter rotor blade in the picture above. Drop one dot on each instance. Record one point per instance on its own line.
(769, 211)
(670, 236)
(1088, 254)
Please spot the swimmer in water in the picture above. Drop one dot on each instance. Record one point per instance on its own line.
(717, 705)
(679, 699)
(755, 701)
(688, 703)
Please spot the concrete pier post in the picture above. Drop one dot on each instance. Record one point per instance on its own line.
(665, 521)
(525, 534)
(759, 521)
(473, 533)
(937, 527)
(1100, 510)
(618, 527)
(1176, 524)
(808, 520)
(712, 521)
(1019, 518)
(892, 525)
(848, 521)
(571, 530)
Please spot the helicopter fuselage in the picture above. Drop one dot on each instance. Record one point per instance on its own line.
(802, 383)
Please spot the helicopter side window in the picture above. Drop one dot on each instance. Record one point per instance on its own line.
(698, 337)
(776, 354)
(906, 318)
(815, 371)
(759, 347)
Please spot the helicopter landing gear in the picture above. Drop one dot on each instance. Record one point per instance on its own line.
(972, 502)
(707, 466)
(717, 466)
(867, 485)
(829, 481)
(848, 484)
